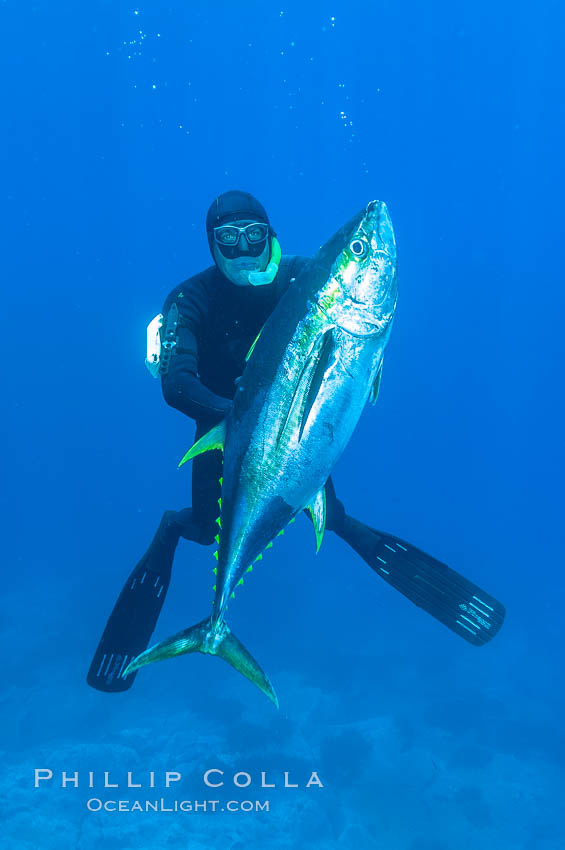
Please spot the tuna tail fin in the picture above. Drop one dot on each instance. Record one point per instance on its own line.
(212, 639)
(233, 651)
(213, 439)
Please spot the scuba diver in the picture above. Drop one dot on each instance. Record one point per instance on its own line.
(198, 347)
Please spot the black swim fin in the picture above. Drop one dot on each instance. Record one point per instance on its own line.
(462, 606)
(131, 623)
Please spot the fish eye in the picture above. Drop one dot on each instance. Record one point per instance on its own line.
(359, 248)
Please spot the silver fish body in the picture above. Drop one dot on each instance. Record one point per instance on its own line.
(304, 389)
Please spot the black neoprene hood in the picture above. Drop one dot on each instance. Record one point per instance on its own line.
(231, 206)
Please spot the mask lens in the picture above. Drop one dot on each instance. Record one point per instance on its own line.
(230, 234)
(228, 239)
(226, 235)
(256, 232)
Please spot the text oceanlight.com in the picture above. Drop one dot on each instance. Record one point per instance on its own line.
(95, 804)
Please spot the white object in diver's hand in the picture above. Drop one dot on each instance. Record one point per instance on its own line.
(153, 357)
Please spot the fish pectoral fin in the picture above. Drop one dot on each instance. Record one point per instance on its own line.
(325, 347)
(376, 385)
(317, 511)
(210, 639)
(213, 439)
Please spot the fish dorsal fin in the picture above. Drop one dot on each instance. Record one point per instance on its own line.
(317, 510)
(213, 439)
(376, 385)
(253, 344)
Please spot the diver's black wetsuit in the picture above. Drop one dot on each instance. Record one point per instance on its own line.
(218, 322)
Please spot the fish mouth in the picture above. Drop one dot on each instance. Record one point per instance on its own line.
(377, 228)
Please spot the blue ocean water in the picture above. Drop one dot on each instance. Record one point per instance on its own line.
(120, 125)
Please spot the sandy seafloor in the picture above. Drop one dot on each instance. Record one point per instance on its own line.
(415, 737)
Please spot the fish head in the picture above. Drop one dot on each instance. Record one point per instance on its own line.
(361, 291)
